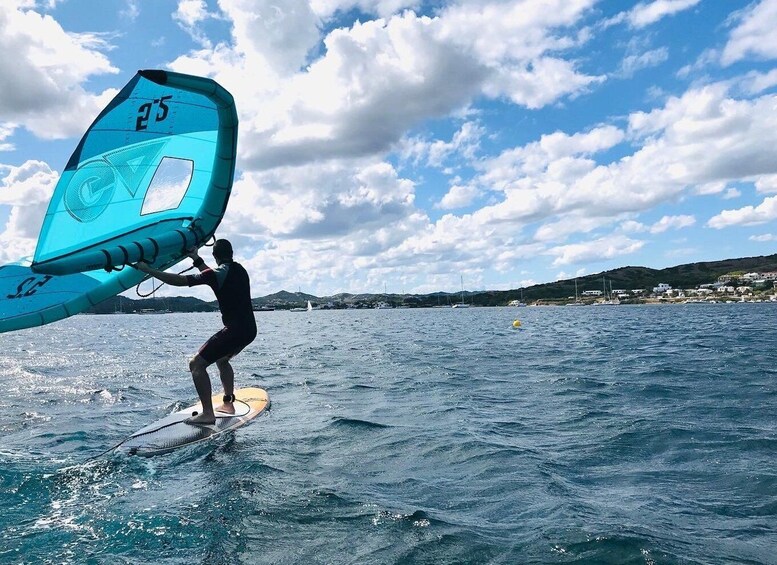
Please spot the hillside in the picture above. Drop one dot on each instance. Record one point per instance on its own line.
(688, 275)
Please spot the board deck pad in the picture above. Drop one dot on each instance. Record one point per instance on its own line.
(171, 432)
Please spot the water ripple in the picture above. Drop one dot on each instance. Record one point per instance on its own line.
(617, 435)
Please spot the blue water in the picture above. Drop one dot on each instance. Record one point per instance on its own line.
(626, 434)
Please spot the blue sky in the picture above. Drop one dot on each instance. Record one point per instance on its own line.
(403, 144)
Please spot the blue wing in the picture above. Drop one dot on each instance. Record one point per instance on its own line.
(150, 179)
(29, 299)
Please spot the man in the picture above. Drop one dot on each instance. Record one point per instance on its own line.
(230, 283)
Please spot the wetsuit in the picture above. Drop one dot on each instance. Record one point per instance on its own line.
(230, 283)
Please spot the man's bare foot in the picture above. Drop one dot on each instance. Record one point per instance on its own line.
(226, 408)
(201, 420)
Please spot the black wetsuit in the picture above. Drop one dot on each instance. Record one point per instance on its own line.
(230, 283)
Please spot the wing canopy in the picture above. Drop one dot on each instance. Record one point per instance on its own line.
(150, 178)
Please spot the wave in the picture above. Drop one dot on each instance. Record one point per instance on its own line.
(357, 423)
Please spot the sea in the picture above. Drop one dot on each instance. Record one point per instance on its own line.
(611, 434)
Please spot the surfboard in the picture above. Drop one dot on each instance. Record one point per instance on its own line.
(172, 432)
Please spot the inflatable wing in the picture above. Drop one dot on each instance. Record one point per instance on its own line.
(149, 180)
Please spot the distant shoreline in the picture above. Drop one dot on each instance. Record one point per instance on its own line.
(684, 278)
(643, 302)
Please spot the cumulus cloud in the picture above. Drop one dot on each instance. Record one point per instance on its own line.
(568, 224)
(766, 211)
(320, 202)
(189, 15)
(754, 36)
(652, 58)
(544, 81)
(377, 79)
(279, 33)
(766, 183)
(562, 183)
(632, 226)
(464, 146)
(6, 131)
(382, 8)
(47, 97)
(647, 13)
(309, 225)
(28, 184)
(557, 149)
(596, 250)
(695, 143)
(131, 10)
(26, 189)
(763, 238)
(755, 82)
(708, 136)
(459, 196)
(731, 193)
(672, 222)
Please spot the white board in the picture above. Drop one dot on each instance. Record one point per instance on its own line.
(171, 432)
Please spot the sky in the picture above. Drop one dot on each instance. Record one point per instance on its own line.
(413, 146)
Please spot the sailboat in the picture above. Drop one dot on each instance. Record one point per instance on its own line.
(577, 301)
(383, 304)
(613, 300)
(461, 304)
(607, 301)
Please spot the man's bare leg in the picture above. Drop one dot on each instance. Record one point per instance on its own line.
(198, 367)
(228, 382)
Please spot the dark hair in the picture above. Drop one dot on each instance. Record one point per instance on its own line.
(222, 250)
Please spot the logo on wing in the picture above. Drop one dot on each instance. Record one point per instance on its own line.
(90, 191)
(93, 185)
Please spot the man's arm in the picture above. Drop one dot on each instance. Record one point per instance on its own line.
(197, 261)
(167, 278)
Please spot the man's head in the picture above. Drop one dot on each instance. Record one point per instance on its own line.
(222, 251)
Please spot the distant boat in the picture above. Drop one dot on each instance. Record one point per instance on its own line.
(461, 304)
(518, 302)
(310, 306)
(577, 301)
(119, 308)
(607, 301)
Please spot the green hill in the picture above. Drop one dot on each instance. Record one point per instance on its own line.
(689, 275)
(630, 278)
(118, 304)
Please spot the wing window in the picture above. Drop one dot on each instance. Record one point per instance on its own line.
(169, 185)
